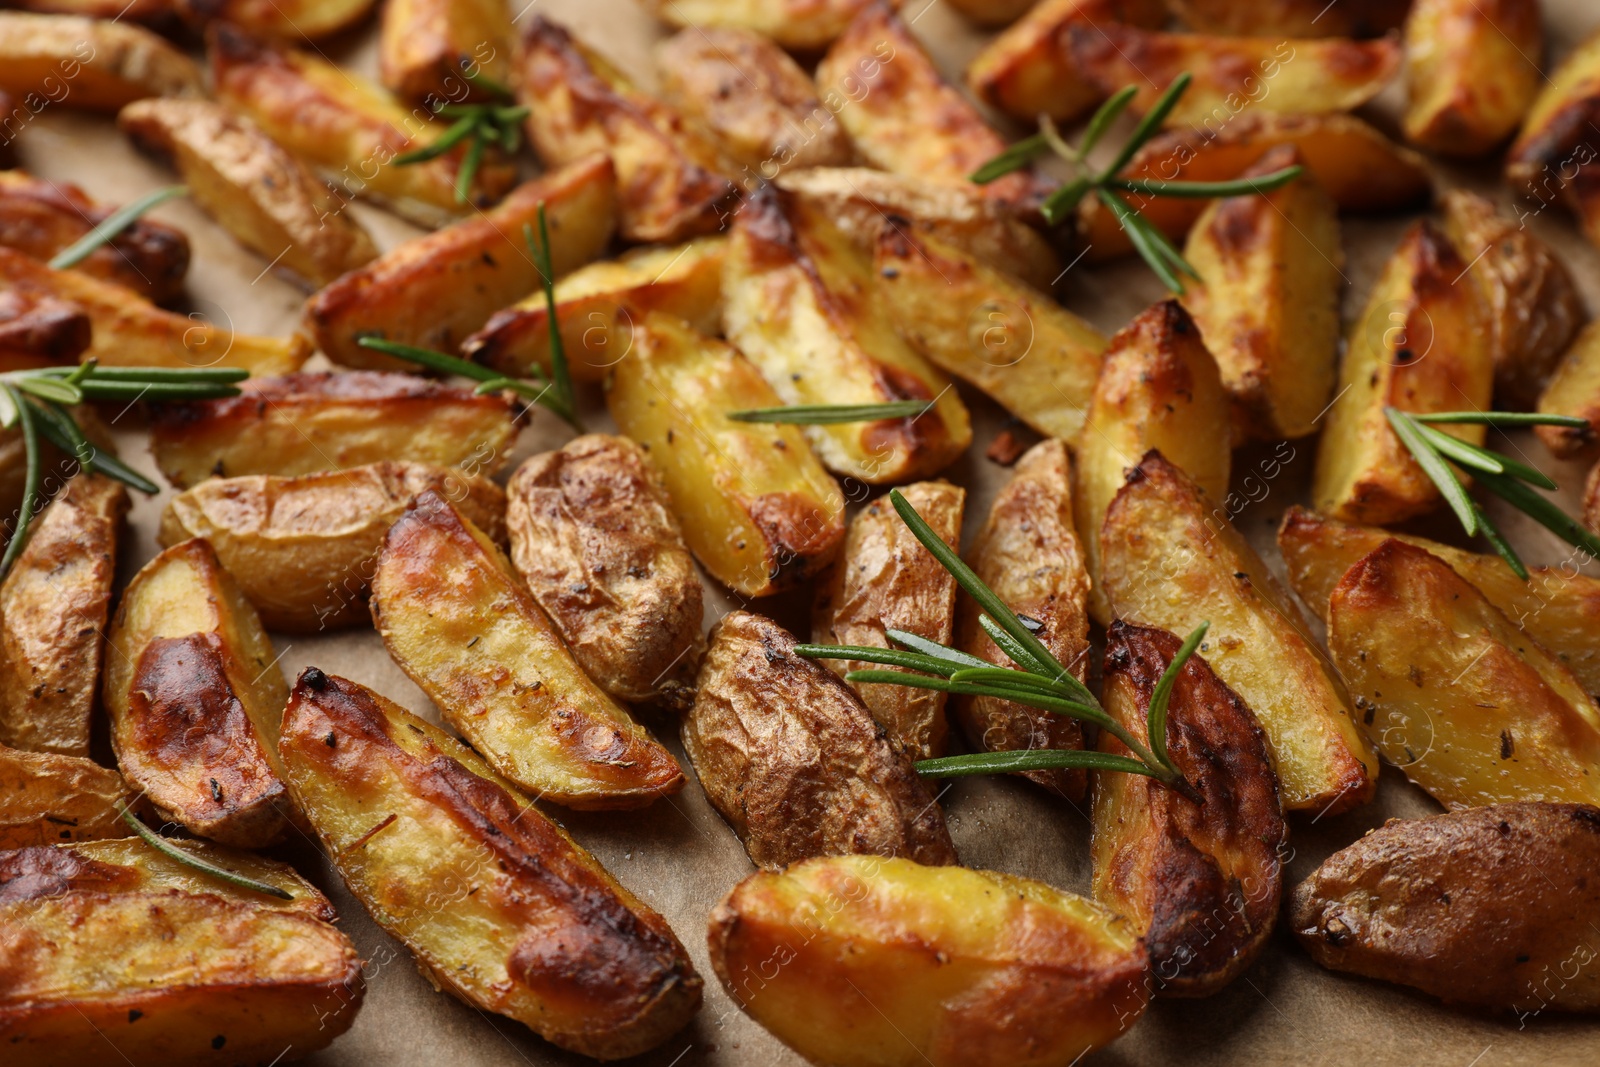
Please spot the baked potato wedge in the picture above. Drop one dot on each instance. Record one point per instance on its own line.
(1574, 389)
(434, 290)
(1551, 161)
(39, 330)
(500, 907)
(158, 15)
(194, 696)
(594, 539)
(885, 580)
(1292, 18)
(457, 620)
(430, 50)
(1452, 693)
(1030, 555)
(793, 760)
(89, 63)
(755, 505)
(597, 306)
(1200, 881)
(304, 547)
(1171, 559)
(53, 608)
(944, 967)
(1472, 72)
(672, 181)
(1421, 344)
(798, 25)
(991, 12)
(799, 301)
(1486, 906)
(287, 20)
(46, 799)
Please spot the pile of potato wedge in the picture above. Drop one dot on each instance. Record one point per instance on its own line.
(782, 216)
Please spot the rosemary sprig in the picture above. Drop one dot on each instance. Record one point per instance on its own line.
(167, 848)
(111, 225)
(496, 122)
(1507, 478)
(832, 414)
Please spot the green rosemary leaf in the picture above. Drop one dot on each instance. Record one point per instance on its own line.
(59, 429)
(203, 375)
(1037, 759)
(111, 226)
(1141, 241)
(1162, 244)
(55, 390)
(8, 410)
(431, 359)
(128, 390)
(1057, 143)
(891, 657)
(1013, 158)
(560, 372)
(184, 856)
(1541, 510)
(30, 485)
(479, 80)
(1060, 205)
(952, 656)
(1492, 534)
(831, 414)
(1208, 190)
(1442, 476)
(1017, 652)
(469, 167)
(459, 131)
(1463, 453)
(1156, 721)
(1006, 678)
(1503, 418)
(1104, 117)
(1018, 694)
(1149, 124)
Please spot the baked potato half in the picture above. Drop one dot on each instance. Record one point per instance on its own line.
(1472, 72)
(287, 20)
(793, 760)
(798, 25)
(461, 625)
(887, 963)
(1551, 161)
(499, 906)
(755, 505)
(594, 539)
(46, 799)
(96, 64)
(429, 51)
(1292, 18)
(194, 696)
(1489, 906)
(1574, 389)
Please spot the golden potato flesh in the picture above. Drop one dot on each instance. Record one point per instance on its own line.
(798, 25)
(1293, 18)
(1268, 307)
(1029, 553)
(594, 538)
(288, 20)
(458, 621)
(799, 301)
(429, 50)
(885, 580)
(1574, 390)
(1552, 159)
(756, 507)
(194, 696)
(1171, 559)
(47, 799)
(862, 961)
(1490, 906)
(792, 759)
(499, 906)
(304, 547)
(93, 64)
(1467, 705)
(1472, 71)
(1420, 345)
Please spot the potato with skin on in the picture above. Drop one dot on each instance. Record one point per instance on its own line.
(1292, 18)
(427, 49)
(499, 906)
(304, 547)
(159, 15)
(885, 580)
(894, 964)
(1591, 499)
(194, 695)
(804, 26)
(1472, 72)
(1452, 693)
(594, 539)
(104, 63)
(434, 290)
(1552, 160)
(1421, 344)
(1171, 559)
(46, 799)
(793, 761)
(40, 330)
(286, 20)
(1484, 906)
(1574, 390)
(756, 507)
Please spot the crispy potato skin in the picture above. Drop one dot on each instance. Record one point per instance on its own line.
(1421, 344)
(304, 547)
(47, 799)
(194, 696)
(40, 330)
(798, 25)
(1574, 389)
(463, 627)
(756, 507)
(425, 46)
(41, 218)
(594, 538)
(1467, 705)
(793, 761)
(1030, 555)
(53, 609)
(107, 63)
(1292, 18)
(313, 422)
(1202, 881)
(1472, 71)
(158, 15)
(1172, 559)
(499, 906)
(287, 20)
(886, 580)
(1552, 158)
(1484, 906)
(950, 967)
(1591, 499)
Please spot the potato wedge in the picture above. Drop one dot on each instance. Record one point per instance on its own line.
(1201, 882)
(798, 300)
(991, 12)
(1158, 389)
(457, 620)
(594, 538)
(798, 25)
(597, 306)
(305, 547)
(1551, 161)
(500, 907)
(1472, 72)
(1030, 555)
(1421, 344)
(793, 760)
(428, 48)
(1292, 18)
(1171, 559)
(672, 181)
(40, 330)
(43, 217)
(287, 20)
(1574, 389)
(46, 799)
(87, 63)
(194, 696)
(885, 580)
(946, 967)
(158, 15)
(1411, 902)
(434, 290)
(53, 609)
(1591, 499)
(1451, 692)
(756, 507)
